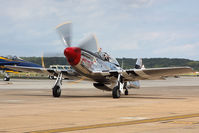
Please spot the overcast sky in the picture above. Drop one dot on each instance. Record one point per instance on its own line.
(124, 28)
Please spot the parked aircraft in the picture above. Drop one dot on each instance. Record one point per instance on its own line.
(89, 61)
(15, 61)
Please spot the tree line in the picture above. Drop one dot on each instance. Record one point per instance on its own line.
(127, 62)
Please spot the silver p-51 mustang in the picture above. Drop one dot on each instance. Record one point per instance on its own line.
(89, 61)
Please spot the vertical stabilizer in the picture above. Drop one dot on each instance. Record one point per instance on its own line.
(138, 64)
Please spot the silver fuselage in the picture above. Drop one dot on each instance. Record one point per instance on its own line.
(93, 62)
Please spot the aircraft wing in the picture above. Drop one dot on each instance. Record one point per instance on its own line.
(71, 74)
(146, 74)
(7, 63)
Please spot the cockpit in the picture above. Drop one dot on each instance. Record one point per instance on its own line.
(107, 57)
(15, 58)
(104, 56)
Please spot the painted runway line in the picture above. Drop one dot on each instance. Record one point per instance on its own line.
(116, 124)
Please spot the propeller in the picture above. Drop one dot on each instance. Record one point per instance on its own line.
(65, 32)
(90, 44)
(51, 58)
(53, 54)
(42, 60)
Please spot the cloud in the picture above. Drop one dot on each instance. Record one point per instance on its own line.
(189, 50)
(126, 45)
(122, 26)
(138, 3)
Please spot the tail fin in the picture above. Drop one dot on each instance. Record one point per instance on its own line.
(138, 64)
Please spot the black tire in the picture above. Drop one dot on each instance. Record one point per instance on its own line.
(51, 77)
(126, 92)
(56, 91)
(116, 92)
(6, 79)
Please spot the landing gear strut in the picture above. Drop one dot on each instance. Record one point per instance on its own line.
(119, 88)
(56, 90)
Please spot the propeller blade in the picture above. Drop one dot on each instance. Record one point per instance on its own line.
(65, 32)
(53, 58)
(42, 60)
(90, 44)
(53, 54)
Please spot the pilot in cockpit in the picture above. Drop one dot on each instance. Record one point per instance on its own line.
(106, 56)
(103, 55)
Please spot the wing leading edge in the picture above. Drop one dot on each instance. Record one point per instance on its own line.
(146, 74)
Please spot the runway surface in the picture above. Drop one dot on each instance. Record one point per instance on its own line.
(159, 106)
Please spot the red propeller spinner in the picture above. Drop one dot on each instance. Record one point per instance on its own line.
(73, 55)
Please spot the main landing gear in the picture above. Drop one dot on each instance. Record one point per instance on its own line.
(56, 90)
(121, 85)
(116, 92)
(7, 77)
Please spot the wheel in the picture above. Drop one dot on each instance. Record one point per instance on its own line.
(56, 91)
(51, 77)
(126, 92)
(6, 79)
(116, 92)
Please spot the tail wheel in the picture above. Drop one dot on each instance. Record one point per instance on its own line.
(126, 92)
(116, 92)
(56, 91)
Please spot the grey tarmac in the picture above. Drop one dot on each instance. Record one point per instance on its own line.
(27, 105)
